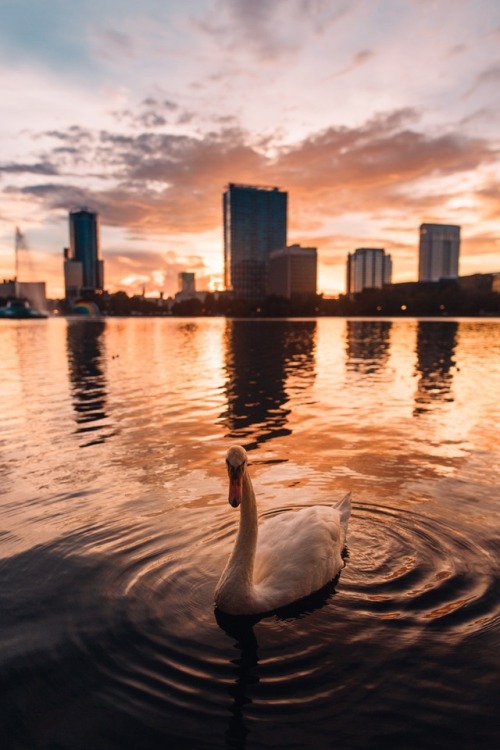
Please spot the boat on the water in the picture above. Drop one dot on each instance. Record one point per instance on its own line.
(20, 308)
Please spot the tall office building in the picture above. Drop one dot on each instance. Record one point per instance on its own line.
(255, 224)
(187, 282)
(368, 268)
(292, 271)
(438, 252)
(83, 269)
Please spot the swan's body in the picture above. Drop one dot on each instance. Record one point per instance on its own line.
(291, 556)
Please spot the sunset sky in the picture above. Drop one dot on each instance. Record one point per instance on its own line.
(374, 116)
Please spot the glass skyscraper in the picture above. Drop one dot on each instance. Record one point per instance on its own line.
(255, 224)
(83, 269)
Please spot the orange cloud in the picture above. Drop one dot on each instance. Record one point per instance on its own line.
(174, 183)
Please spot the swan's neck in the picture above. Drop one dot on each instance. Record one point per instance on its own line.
(235, 587)
(243, 555)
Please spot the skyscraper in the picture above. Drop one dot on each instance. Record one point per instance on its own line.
(368, 268)
(438, 252)
(83, 270)
(292, 271)
(187, 282)
(255, 224)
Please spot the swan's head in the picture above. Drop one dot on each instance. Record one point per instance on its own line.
(236, 461)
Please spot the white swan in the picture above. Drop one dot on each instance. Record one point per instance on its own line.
(293, 554)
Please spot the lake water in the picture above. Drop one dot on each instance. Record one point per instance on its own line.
(115, 527)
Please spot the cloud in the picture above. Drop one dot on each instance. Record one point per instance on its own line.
(38, 168)
(359, 59)
(166, 183)
(483, 115)
(488, 76)
(247, 25)
(376, 167)
(269, 31)
(73, 133)
(151, 114)
(489, 199)
(457, 49)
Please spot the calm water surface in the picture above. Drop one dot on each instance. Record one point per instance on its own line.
(115, 528)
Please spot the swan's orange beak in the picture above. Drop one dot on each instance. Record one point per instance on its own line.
(235, 485)
(235, 490)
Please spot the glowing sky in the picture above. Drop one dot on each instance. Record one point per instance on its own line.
(374, 115)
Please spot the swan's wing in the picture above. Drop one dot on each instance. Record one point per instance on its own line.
(299, 551)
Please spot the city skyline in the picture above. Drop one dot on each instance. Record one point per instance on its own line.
(374, 118)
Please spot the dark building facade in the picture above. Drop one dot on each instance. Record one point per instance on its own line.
(293, 271)
(83, 269)
(439, 250)
(255, 224)
(368, 268)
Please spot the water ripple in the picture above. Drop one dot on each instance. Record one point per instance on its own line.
(418, 570)
(131, 607)
(403, 569)
(110, 555)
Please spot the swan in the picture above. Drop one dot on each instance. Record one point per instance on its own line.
(291, 556)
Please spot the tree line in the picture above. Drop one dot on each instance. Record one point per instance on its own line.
(444, 298)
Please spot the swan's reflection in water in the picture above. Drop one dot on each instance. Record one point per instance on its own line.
(247, 673)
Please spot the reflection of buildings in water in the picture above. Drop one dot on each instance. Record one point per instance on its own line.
(84, 346)
(188, 330)
(436, 343)
(264, 361)
(367, 344)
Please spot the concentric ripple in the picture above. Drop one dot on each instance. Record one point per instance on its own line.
(419, 570)
(161, 647)
(153, 635)
(140, 620)
(153, 632)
